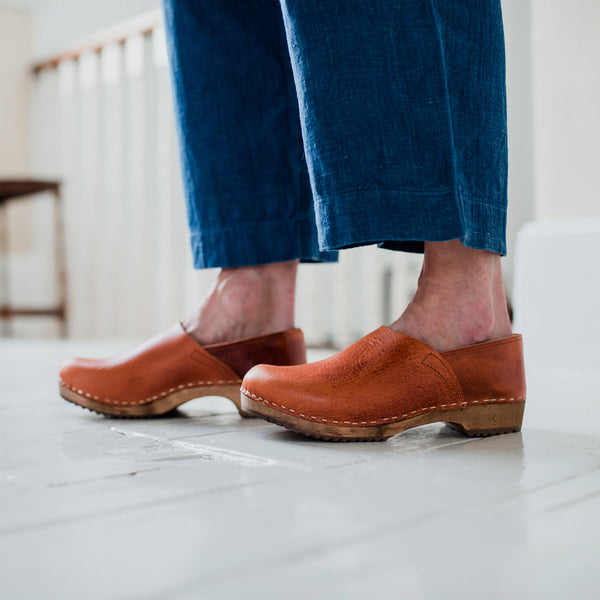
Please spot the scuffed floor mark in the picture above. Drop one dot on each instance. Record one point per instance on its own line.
(60, 484)
(205, 452)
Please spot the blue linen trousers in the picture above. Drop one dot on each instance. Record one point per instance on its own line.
(309, 126)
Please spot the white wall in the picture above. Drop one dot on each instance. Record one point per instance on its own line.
(57, 24)
(15, 81)
(15, 78)
(521, 206)
(566, 101)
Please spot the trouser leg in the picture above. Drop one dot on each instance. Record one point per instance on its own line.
(403, 113)
(245, 178)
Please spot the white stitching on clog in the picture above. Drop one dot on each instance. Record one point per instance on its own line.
(378, 421)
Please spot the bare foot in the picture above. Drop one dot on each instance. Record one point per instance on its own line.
(245, 302)
(460, 298)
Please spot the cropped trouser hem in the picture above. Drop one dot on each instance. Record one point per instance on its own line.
(257, 244)
(411, 218)
(307, 127)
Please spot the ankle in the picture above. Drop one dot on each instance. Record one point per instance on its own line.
(246, 302)
(459, 300)
(444, 326)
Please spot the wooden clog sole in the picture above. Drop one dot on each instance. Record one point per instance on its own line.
(156, 407)
(474, 421)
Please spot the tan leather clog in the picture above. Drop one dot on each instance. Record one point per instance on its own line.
(170, 369)
(388, 382)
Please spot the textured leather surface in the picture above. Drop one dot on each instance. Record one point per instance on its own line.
(171, 361)
(491, 370)
(387, 376)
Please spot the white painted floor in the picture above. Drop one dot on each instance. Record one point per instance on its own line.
(206, 505)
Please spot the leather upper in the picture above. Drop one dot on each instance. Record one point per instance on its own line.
(490, 370)
(387, 376)
(172, 361)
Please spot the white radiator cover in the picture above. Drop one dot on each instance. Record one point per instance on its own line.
(556, 295)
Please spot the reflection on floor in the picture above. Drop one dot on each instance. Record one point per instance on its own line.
(203, 504)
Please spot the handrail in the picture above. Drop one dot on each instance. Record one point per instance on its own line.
(143, 24)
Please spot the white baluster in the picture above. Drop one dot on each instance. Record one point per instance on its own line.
(136, 187)
(111, 227)
(70, 167)
(36, 267)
